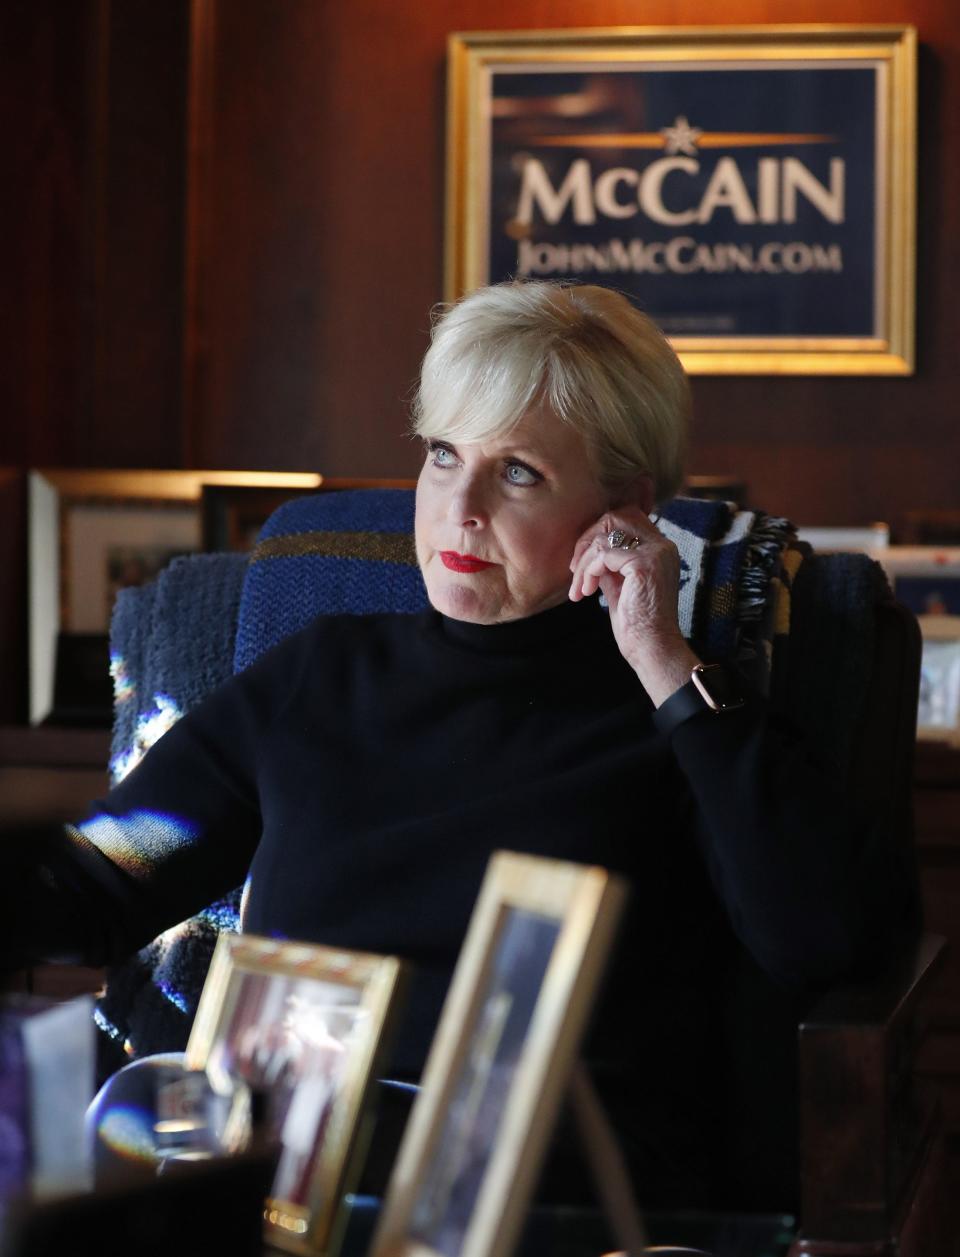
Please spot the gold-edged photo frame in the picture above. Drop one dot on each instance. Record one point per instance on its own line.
(91, 532)
(752, 188)
(502, 1058)
(308, 1025)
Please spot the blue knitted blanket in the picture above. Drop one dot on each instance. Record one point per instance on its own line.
(171, 642)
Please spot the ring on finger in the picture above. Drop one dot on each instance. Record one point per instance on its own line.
(618, 540)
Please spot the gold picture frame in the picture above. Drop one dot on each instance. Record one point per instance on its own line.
(84, 523)
(310, 1024)
(502, 1058)
(770, 231)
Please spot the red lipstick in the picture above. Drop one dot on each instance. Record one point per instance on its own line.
(463, 562)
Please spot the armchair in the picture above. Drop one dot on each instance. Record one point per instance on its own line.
(870, 1160)
(847, 671)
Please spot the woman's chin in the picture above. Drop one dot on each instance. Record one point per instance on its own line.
(458, 600)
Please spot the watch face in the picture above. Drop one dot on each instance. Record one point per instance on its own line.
(720, 690)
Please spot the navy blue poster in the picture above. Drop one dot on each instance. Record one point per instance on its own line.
(726, 200)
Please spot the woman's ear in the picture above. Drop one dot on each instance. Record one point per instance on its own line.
(636, 492)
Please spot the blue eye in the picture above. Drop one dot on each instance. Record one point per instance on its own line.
(441, 456)
(518, 474)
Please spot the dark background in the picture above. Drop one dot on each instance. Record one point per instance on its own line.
(221, 233)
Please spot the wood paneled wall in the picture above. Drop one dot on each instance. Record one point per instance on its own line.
(91, 232)
(221, 235)
(325, 185)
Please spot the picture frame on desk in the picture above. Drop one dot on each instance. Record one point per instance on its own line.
(91, 532)
(502, 1058)
(752, 188)
(308, 1025)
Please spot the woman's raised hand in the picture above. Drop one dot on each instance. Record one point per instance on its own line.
(639, 575)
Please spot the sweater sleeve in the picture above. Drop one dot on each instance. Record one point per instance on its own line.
(815, 884)
(176, 834)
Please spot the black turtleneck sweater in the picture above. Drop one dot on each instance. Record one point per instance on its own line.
(360, 775)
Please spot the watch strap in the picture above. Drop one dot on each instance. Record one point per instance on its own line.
(690, 700)
(682, 705)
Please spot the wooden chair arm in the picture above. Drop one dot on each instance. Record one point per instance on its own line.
(866, 1126)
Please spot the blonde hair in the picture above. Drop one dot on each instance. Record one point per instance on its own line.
(594, 359)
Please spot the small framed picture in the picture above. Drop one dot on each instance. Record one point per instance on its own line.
(501, 1060)
(939, 715)
(308, 1025)
(92, 533)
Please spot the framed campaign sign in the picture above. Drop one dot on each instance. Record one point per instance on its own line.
(751, 188)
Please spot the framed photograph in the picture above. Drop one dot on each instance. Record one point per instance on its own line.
(308, 1025)
(501, 1060)
(939, 715)
(91, 533)
(751, 188)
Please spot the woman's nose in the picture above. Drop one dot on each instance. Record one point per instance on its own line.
(467, 506)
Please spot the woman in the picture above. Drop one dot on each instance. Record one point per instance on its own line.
(361, 773)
